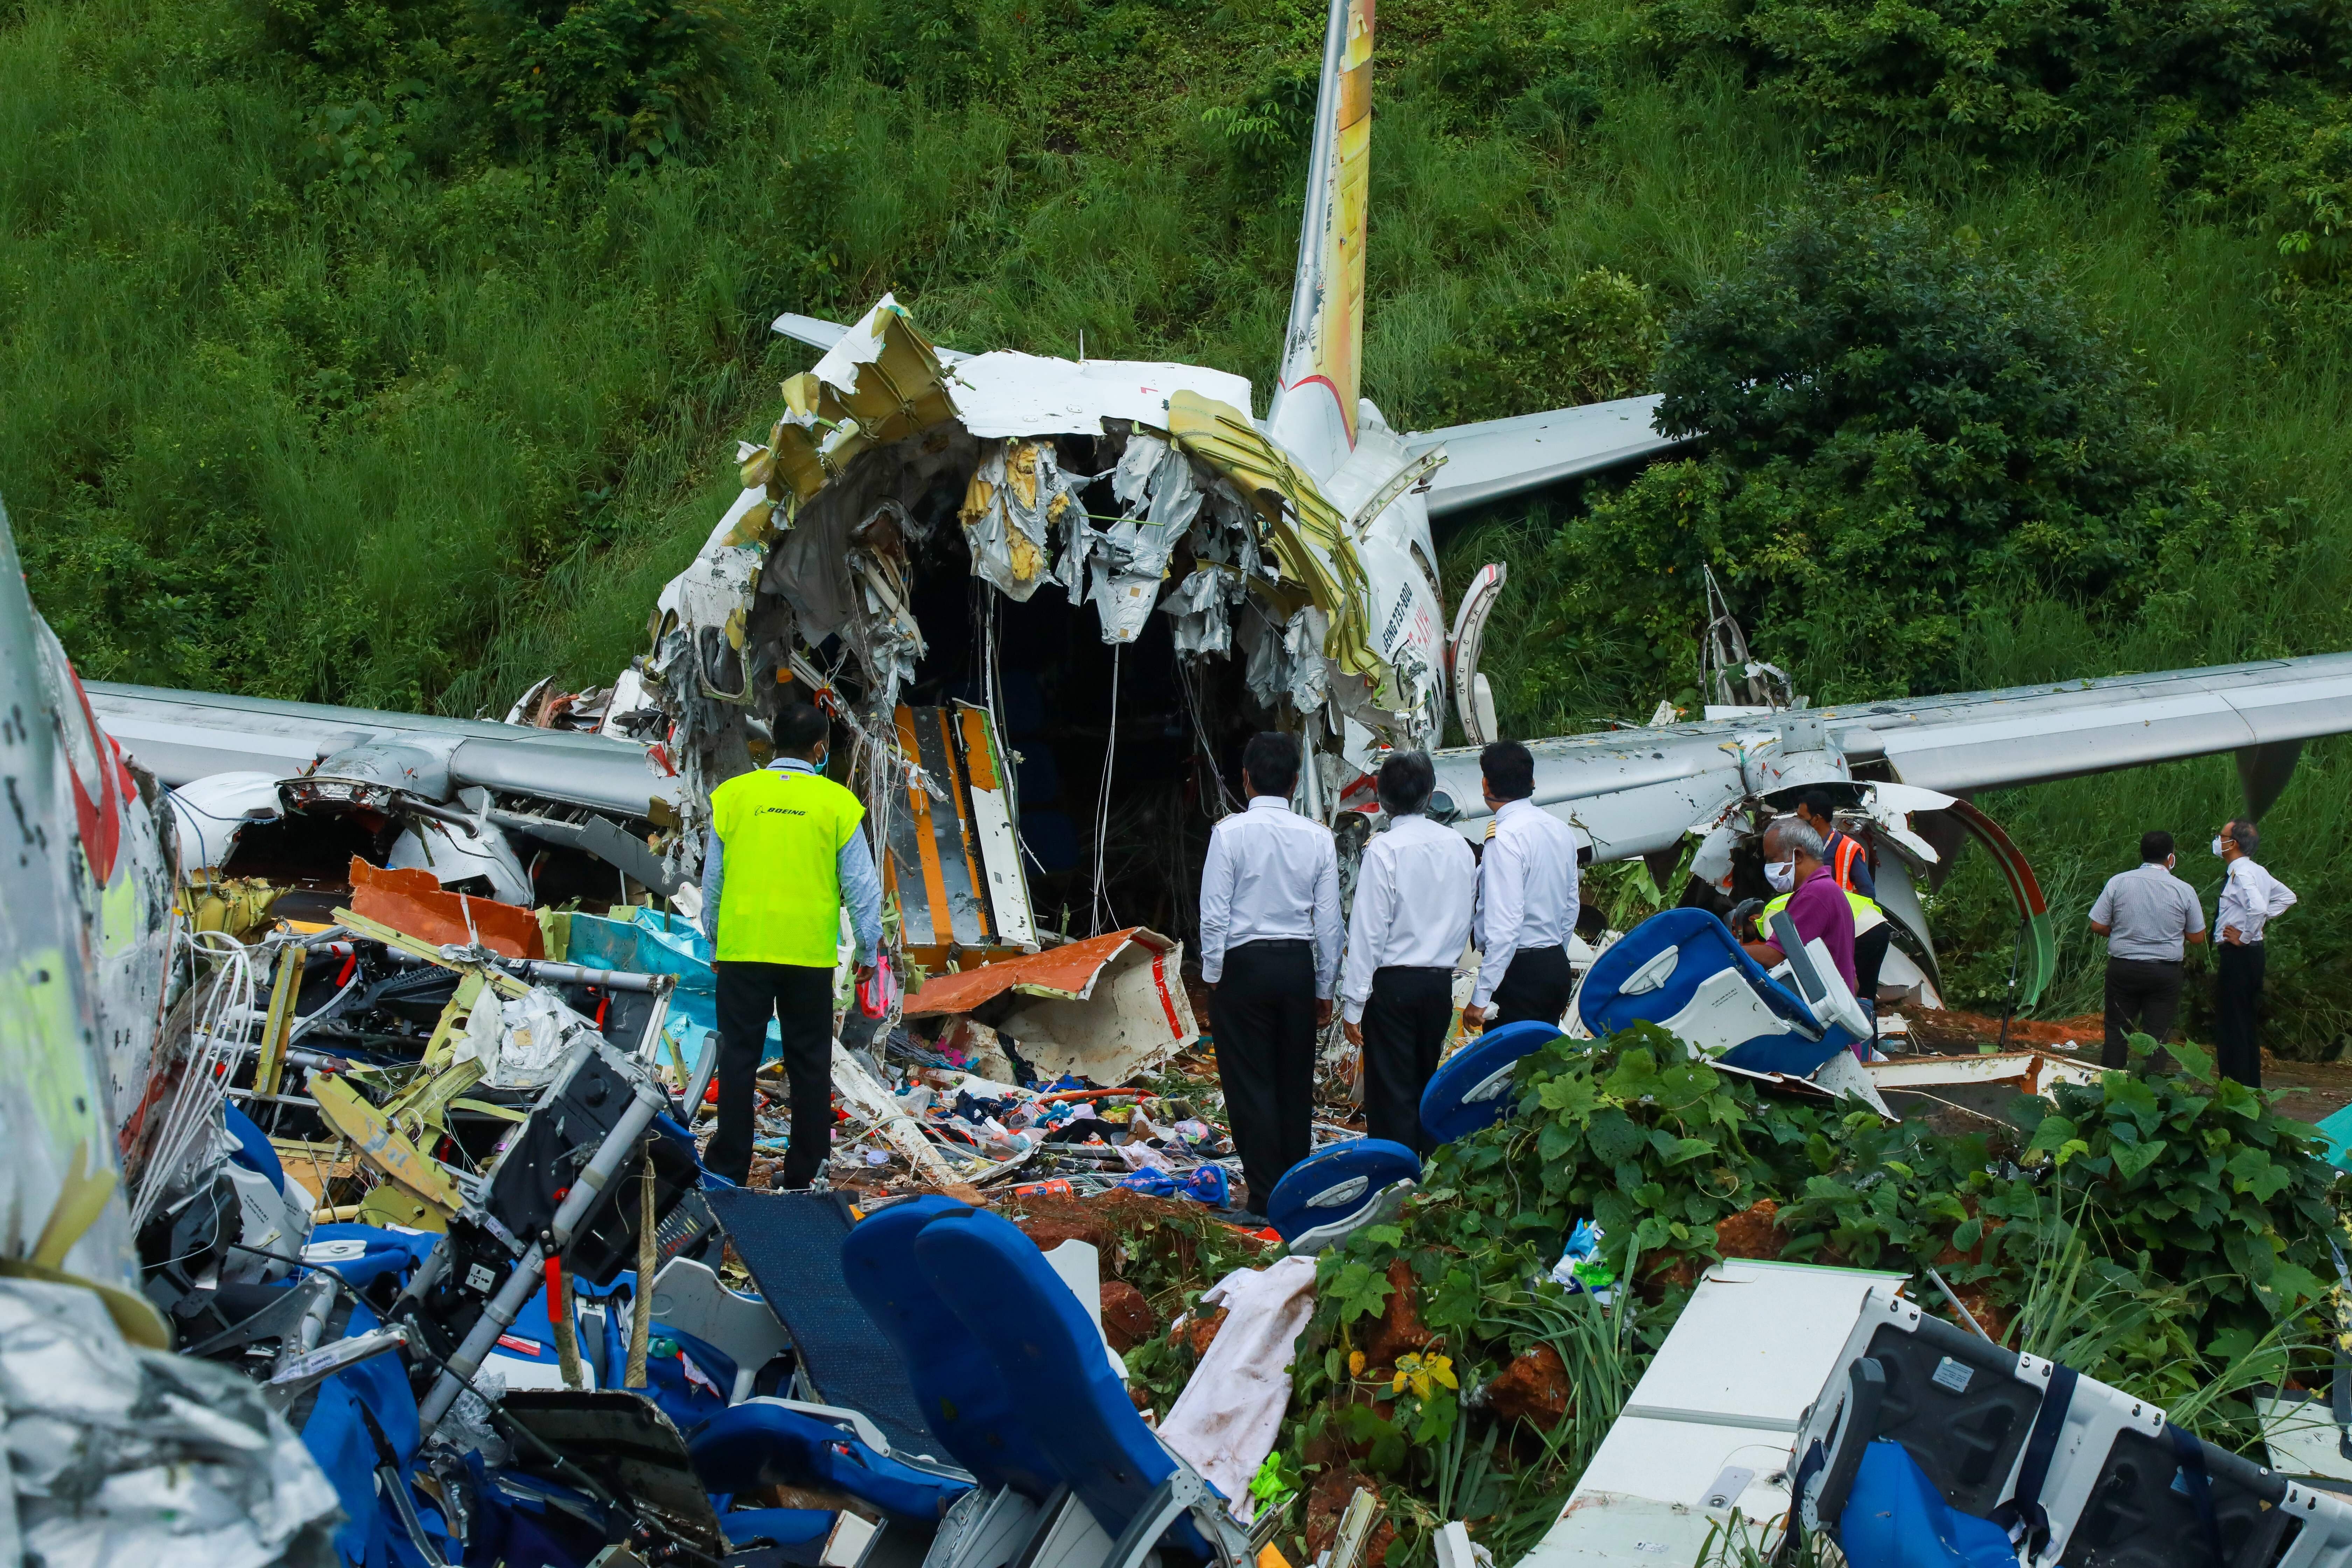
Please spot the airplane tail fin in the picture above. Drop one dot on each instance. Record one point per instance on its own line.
(1313, 412)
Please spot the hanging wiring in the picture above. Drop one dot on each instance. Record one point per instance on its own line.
(1104, 916)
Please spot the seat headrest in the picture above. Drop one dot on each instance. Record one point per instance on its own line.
(1473, 1088)
(1049, 1354)
(962, 1394)
(1336, 1181)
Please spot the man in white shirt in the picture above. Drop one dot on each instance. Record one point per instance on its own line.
(2251, 898)
(1527, 898)
(2150, 919)
(1414, 894)
(1270, 951)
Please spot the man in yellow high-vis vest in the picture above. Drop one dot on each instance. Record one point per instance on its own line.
(784, 855)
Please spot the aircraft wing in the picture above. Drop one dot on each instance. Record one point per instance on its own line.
(820, 334)
(181, 736)
(1497, 458)
(1636, 790)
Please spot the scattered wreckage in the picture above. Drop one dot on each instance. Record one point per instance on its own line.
(402, 1252)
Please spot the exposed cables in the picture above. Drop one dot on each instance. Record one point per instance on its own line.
(1103, 916)
(217, 1039)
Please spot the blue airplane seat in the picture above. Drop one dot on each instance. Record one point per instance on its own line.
(1894, 1518)
(955, 1381)
(761, 1442)
(779, 1526)
(1682, 970)
(1473, 1088)
(1338, 1190)
(1051, 1357)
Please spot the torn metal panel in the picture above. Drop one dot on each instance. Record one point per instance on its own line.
(953, 859)
(123, 1454)
(879, 384)
(1201, 607)
(1107, 1008)
(1017, 499)
(988, 783)
(1309, 535)
(1153, 482)
(413, 902)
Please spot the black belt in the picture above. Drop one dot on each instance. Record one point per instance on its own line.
(1277, 944)
(1445, 969)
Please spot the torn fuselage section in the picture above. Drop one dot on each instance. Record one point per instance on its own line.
(1085, 584)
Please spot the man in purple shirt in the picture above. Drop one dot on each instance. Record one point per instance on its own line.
(1793, 850)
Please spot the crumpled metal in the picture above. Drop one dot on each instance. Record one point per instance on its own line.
(521, 1041)
(1202, 607)
(1154, 483)
(1286, 664)
(1010, 506)
(123, 1455)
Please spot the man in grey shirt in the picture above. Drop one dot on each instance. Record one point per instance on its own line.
(2148, 916)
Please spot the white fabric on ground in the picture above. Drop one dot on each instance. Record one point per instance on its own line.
(1224, 1422)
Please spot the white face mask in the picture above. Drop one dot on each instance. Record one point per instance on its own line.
(1781, 874)
(2217, 848)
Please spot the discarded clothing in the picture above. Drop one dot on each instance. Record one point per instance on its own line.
(1225, 1420)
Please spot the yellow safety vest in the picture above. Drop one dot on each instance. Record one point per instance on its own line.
(1865, 913)
(783, 834)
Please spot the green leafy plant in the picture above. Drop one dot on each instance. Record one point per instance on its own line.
(1897, 427)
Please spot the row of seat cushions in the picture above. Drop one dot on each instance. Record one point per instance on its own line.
(1007, 1364)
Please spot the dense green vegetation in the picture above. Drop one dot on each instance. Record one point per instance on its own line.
(2166, 1235)
(392, 351)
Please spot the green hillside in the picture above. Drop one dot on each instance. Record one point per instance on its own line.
(393, 351)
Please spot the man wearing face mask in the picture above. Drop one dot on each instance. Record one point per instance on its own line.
(785, 854)
(2148, 916)
(2251, 898)
(1794, 858)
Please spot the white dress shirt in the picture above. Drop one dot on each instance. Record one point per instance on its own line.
(1526, 889)
(2249, 897)
(1414, 897)
(1271, 876)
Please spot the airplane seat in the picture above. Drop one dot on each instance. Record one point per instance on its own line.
(1472, 1089)
(963, 1395)
(1683, 971)
(1123, 1484)
(1338, 1190)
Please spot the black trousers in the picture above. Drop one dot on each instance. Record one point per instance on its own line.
(800, 998)
(1404, 1026)
(1263, 1015)
(2237, 998)
(1869, 956)
(1538, 984)
(2143, 997)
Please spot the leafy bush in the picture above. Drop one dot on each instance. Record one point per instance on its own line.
(1597, 338)
(398, 82)
(2015, 79)
(632, 77)
(1896, 429)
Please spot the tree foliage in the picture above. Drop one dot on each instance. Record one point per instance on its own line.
(1993, 76)
(1896, 428)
